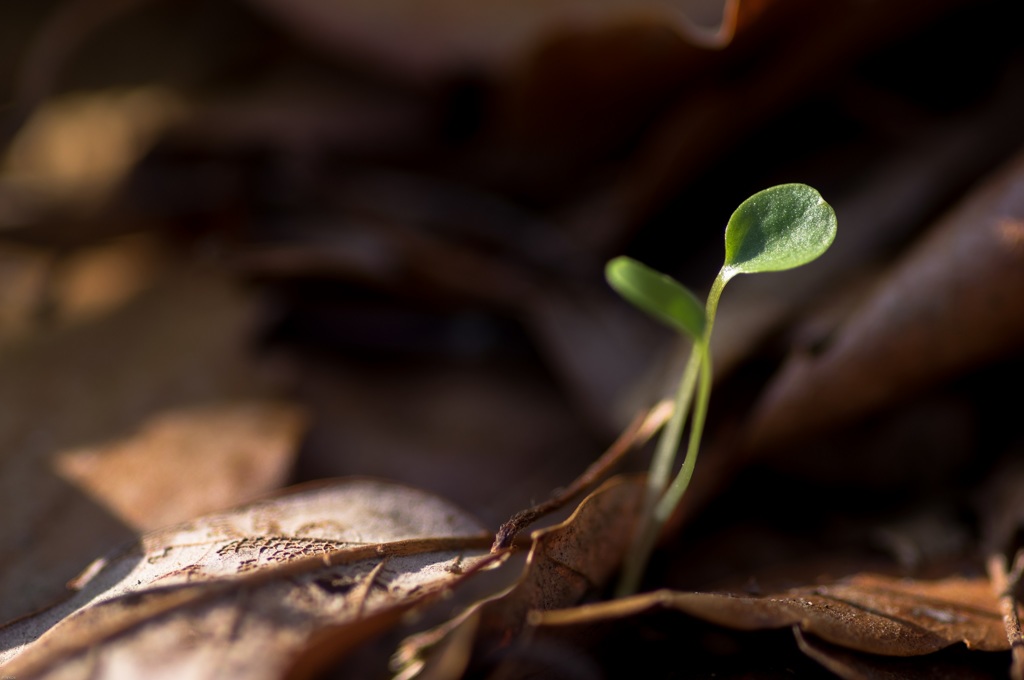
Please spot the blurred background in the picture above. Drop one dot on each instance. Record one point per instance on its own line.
(248, 243)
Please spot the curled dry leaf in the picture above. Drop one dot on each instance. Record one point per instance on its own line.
(566, 562)
(867, 613)
(951, 304)
(240, 593)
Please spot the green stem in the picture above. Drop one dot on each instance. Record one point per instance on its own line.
(668, 502)
(668, 443)
(711, 306)
(658, 479)
(659, 502)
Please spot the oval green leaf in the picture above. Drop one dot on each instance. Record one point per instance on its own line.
(776, 229)
(658, 294)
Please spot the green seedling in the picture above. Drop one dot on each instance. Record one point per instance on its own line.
(774, 230)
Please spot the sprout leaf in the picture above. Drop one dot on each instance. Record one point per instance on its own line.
(777, 229)
(659, 295)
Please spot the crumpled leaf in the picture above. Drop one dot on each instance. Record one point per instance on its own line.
(566, 562)
(241, 593)
(868, 613)
(951, 304)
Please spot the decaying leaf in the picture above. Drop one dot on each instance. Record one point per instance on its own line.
(566, 562)
(240, 593)
(952, 304)
(868, 613)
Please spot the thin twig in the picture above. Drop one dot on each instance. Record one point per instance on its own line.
(1005, 584)
(636, 434)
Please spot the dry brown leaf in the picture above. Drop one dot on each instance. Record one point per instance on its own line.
(951, 304)
(868, 613)
(566, 562)
(945, 665)
(241, 593)
(580, 554)
(230, 450)
(128, 376)
(82, 146)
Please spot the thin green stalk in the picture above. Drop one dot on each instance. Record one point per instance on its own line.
(653, 520)
(669, 501)
(674, 494)
(668, 442)
(714, 295)
(659, 502)
(658, 479)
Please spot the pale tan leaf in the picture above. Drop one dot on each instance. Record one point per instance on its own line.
(240, 593)
(80, 147)
(230, 450)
